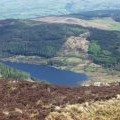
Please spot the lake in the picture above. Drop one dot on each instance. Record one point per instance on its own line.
(50, 74)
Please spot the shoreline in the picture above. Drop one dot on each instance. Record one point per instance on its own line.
(101, 77)
(58, 68)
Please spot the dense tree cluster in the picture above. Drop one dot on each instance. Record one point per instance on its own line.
(10, 73)
(25, 37)
(33, 38)
(105, 47)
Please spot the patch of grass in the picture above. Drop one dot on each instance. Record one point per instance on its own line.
(104, 110)
(109, 22)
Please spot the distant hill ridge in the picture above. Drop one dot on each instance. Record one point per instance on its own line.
(22, 9)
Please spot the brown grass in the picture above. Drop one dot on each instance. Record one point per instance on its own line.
(34, 101)
(108, 110)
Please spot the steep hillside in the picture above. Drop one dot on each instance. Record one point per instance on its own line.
(34, 101)
(26, 37)
(39, 38)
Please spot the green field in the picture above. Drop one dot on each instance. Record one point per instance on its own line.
(109, 22)
(31, 9)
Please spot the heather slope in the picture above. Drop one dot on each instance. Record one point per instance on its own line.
(28, 101)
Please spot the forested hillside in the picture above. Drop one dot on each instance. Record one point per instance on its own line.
(105, 47)
(34, 38)
(30, 38)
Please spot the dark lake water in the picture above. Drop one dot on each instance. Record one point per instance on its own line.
(50, 74)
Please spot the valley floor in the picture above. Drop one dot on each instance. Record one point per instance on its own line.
(95, 72)
(73, 53)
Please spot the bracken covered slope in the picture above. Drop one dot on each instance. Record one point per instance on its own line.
(34, 101)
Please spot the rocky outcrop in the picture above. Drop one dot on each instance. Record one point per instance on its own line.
(75, 45)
